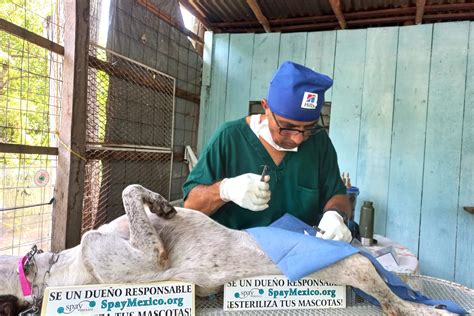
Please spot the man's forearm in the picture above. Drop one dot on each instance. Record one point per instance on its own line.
(341, 202)
(204, 198)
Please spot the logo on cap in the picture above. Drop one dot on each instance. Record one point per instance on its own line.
(310, 101)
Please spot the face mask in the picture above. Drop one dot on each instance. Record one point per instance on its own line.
(262, 130)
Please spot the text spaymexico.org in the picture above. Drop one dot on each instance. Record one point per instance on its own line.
(296, 292)
(136, 302)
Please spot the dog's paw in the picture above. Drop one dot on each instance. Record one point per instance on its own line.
(162, 207)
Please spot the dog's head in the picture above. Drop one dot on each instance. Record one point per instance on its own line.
(11, 306)
(11, 296)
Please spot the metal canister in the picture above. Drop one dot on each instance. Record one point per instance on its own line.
(366, 223)
(352, 193)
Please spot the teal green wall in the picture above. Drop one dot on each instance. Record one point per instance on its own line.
(402, 122)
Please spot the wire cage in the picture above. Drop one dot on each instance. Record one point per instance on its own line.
(22, 226)
(129, 133)
(30, 105)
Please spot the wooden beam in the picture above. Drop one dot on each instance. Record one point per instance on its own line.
(305, 22)
(362, 22)
(197, 12)
(183, 94)
(385, 20)
(197, 7)
(409, 11)
(144, 81)
(316, 19)
(350, 23)
(25, 149)
(420, 11)
(69, 189)
(449, 16)
(165, 17)
(304, 27)
(223, 25)
(258, 13)
(168, 19)
(380, 13)
(30, 37)
(278, 22)
(449, 7)
(336, 8)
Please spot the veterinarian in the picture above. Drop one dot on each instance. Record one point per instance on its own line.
(303, 177)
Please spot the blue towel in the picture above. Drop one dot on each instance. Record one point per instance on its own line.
(298, 255)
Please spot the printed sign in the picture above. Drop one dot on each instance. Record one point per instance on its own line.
(277, 292)
(152, 299)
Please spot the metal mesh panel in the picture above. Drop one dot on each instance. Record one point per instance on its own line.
(30, 99)
(128, 103)
(212, 306)
(129, 133)
(20, 228)
(444, 290)
(35, 16)
(104, 184)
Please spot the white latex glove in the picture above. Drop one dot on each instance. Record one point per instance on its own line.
(332, 224)
(247, 191)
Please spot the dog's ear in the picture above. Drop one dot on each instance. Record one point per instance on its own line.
(9, 305)
(109, 258)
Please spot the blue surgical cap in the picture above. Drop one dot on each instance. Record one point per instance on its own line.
(297, 92)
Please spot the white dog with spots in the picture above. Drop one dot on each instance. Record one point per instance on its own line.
(165, 243)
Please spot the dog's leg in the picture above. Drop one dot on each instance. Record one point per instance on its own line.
(357, 271)
(110, 258)
(143, 235)
(157, 204)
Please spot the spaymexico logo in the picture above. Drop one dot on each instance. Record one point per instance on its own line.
(255, 292)
(310, 101)
(84, 306)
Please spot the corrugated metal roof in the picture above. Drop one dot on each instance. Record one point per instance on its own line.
(286, 16)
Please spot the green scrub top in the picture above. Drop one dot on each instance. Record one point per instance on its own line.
(300, 185)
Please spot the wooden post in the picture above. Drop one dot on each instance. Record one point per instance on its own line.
(69, 191)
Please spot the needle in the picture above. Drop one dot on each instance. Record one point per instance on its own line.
(264, 172)
(319, 230)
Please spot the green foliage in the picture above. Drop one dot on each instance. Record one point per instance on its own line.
(102, 97)
(24, 76)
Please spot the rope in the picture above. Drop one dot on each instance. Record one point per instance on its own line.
(69, 148)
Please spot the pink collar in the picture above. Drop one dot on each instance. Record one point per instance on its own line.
(25, 284)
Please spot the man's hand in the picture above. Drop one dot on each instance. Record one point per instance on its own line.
(334, 228)
(247, 191)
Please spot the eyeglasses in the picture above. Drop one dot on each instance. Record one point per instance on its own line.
(285, 131)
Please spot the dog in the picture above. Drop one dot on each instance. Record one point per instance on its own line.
(155, 242)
